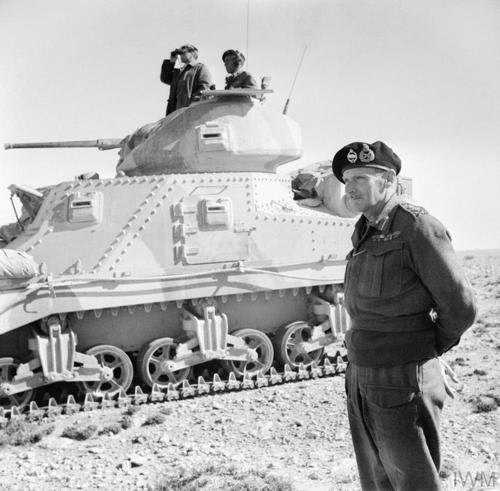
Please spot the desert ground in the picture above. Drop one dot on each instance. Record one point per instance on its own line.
(287, 437)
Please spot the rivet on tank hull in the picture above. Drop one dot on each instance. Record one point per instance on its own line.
(148, 307)
(114, 311)
(295, 292)
(163, 306)
(321, 288)
(308, 289)
(80, 314)
(179, 304)
(98, 313)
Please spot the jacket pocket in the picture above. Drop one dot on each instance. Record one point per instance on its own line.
(380, 269)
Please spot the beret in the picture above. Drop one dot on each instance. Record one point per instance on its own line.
(358, 154)
(234, 52)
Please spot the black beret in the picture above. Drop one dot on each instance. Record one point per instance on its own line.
(234, 52)
(359, 154)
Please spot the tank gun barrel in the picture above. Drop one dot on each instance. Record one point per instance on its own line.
(101, 144)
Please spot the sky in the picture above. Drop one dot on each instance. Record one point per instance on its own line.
(423, 77)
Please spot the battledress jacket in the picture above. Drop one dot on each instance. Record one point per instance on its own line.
(241, 80)
(405, 291)
(186, 84)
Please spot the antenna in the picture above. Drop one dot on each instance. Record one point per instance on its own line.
(285, 109)
(248, 30)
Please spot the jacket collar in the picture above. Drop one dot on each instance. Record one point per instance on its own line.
(382, 223)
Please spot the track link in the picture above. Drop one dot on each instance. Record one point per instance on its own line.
(329, 367)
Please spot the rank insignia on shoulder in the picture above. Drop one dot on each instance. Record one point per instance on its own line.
(415, 210)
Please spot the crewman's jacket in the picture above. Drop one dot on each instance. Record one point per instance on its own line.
(405, 291)
(241, 80)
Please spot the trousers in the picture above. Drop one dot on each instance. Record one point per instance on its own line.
(394, 416)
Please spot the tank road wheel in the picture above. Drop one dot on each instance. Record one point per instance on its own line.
(8, 367)
(261, 343)
(152, 363)
(121, 365)
(289, 345)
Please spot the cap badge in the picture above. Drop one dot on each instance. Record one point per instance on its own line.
(351, 156)
(366, 155)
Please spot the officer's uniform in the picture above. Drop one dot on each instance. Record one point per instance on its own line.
(409, 302)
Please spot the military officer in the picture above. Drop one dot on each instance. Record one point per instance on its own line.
(409, 302)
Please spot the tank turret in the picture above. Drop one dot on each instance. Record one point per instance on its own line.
(195, 252)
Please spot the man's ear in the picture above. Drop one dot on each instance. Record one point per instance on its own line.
(390, 178)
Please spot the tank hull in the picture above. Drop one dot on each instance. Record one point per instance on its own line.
(128, 241)
(172, 271)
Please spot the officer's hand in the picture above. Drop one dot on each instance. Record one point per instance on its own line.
(448, 374)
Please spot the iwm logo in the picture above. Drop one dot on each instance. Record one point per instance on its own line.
(475, 479)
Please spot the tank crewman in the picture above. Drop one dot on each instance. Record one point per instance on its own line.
(409, 302)
(186, 82)
(238, 78)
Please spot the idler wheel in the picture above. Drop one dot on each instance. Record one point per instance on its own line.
(119, 362)
(8, 368)
(153, 363)
(258, 341)
(290, 345)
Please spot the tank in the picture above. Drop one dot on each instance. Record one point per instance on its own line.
(195, 252)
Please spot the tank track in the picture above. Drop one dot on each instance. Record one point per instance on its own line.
(329, 367)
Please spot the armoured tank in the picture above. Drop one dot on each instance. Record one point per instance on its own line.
(196, 251)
